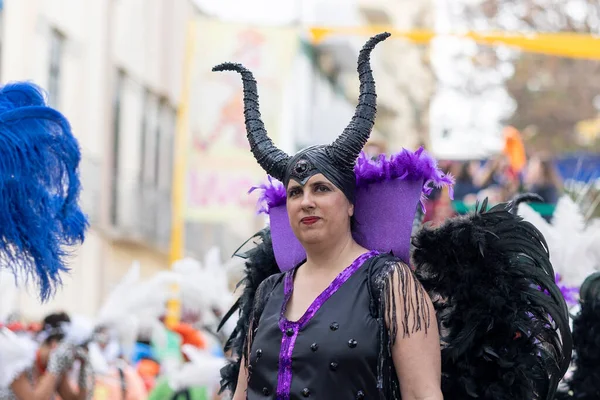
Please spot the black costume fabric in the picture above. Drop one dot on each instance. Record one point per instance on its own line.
(337, 348)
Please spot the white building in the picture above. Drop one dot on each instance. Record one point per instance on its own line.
(114, 69)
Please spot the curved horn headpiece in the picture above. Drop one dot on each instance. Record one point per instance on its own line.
(349, 144)
(270, 158)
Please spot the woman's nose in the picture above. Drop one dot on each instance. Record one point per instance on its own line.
(307, 200)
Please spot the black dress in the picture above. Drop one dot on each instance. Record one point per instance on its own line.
(331, 352)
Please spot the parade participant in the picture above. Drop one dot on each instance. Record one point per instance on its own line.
(348, 319)
(42, 373)
(584, 384)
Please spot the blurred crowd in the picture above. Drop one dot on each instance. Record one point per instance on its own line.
(129, 349)
(497, 180)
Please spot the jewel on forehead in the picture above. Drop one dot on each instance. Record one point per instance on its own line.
(301, 167)
(302, 170)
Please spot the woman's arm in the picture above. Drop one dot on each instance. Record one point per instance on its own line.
(85, 381)
(67, 392)
(43, 390)
(416, 352)
(242, 382)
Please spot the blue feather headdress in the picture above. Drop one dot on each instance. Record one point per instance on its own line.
(39, 187)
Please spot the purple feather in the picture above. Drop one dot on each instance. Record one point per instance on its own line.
(272, 194)
(570, 293)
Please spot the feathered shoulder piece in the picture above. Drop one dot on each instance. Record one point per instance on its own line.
(503, 320)
(261, 272)
(585, 382)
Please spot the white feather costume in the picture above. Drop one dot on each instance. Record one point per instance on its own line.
(202, 370)
(574, 245)
(17, 355)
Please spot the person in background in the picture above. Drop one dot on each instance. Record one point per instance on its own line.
(543, 179)
(464, 173)
(46, 374)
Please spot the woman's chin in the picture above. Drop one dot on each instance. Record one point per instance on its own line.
(310, 237)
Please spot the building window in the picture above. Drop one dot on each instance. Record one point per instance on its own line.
(57, 41)
(164, 167)
(166, 139)
(149, 139)
(116, 143)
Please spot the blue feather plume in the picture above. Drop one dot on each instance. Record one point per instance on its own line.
(40, 218)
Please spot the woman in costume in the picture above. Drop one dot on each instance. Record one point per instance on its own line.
(40, 219)
(330, 308)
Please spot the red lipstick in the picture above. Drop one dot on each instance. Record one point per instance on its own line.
(309, 220)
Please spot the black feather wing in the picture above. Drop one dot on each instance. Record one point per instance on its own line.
(503, 320)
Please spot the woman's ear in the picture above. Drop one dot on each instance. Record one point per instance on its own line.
(351, 210)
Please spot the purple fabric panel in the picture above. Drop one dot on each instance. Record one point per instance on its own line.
(284, 377)
(384, 216)
(388, 190)
(287, 248)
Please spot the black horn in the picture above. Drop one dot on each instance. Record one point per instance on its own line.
(270, 158)
(349, 144)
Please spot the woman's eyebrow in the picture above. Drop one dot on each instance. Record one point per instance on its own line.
(320, 183)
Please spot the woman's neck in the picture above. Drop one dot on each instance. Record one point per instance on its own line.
(336, 256)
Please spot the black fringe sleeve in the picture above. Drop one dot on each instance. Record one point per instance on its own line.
(395, 285)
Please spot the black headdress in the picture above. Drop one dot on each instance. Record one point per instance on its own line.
(336, 161)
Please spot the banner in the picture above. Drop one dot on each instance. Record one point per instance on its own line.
(221, 168)
(562, 44)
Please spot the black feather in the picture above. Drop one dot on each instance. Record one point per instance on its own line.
(260, 265)
(503, 321)
(585, 382)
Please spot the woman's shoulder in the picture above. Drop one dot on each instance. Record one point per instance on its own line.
(268, 286)
(271, 282)
(385, 264)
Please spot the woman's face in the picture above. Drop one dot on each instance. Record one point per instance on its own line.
(318, 211)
